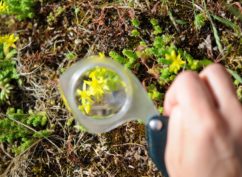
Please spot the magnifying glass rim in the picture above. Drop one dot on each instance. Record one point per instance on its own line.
(93, 63)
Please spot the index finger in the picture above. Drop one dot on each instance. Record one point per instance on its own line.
(189, 91)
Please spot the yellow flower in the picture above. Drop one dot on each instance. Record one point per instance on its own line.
(84, 95)
(98, 73)
(86, 101)
(100, 81)
(176, 61)
(9, 40)
(85, 108)
(94, 74)
(95, 88)
(3, 7)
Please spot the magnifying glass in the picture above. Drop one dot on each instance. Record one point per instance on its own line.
(102, 95)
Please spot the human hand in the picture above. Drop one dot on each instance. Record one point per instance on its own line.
(205, 125)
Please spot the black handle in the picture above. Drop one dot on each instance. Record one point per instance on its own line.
(156, 132)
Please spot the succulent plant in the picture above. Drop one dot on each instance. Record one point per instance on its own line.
(5, 90)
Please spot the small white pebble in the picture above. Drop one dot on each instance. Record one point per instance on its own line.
(71, 34)
(130, 166)
(77, 41)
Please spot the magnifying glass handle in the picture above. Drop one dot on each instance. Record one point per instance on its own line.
(156, 132)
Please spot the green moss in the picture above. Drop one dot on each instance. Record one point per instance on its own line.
(22, 9)
(8, 71)
(17, 128)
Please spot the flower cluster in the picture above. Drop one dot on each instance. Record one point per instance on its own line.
(98, 82)
(169, 60)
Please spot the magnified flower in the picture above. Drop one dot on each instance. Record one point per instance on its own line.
(97, 83)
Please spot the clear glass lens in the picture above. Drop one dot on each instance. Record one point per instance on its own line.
(100, 93)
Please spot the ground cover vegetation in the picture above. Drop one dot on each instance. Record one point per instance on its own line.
(156, 40)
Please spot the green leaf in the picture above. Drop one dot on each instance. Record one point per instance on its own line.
(22, 147)
(158, 42)
(156, 27)
(70, 121)
(135, 23)
(143, 43)
(80, 128)
(165, 73)
(154, 22)
(199, 21)
(153, 93)
(11, 54)
(129, 54)
(132, 57)
(114, 55)
(164, 61)
(44, 120)
(235, 75)
(43, 133)
(135, 33)
(71, 55)
(166, 38)
(157, 30)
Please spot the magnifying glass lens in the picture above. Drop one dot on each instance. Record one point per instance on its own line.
(100, 93)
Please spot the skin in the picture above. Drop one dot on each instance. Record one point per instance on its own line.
(205, 125)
